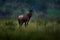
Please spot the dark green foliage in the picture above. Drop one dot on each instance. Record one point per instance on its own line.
(13, 8)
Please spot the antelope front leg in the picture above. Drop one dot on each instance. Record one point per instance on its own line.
(25, 24)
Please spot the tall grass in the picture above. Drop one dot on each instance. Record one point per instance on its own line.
(40, 29)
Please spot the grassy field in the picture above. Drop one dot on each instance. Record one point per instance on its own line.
(40, 29)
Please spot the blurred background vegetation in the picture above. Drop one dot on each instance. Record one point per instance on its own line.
(12, 8)
(44, 24)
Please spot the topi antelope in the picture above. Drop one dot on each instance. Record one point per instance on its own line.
(24, 18)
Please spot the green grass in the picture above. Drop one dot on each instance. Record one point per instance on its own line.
(36, 30)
